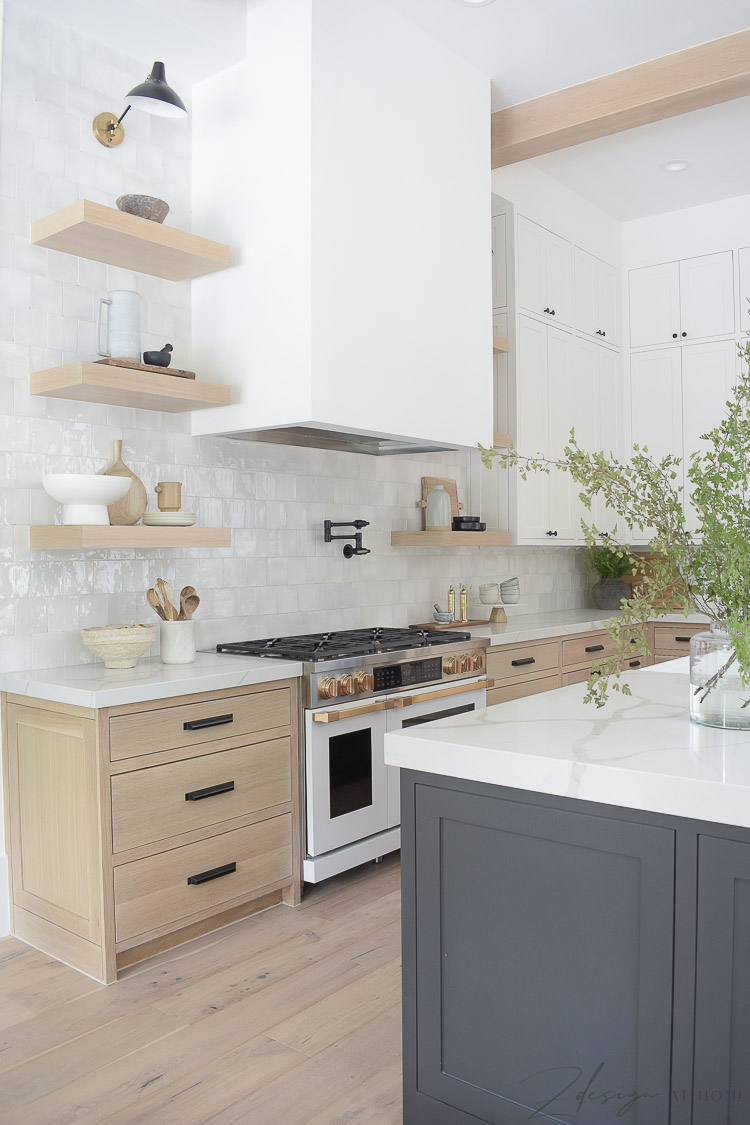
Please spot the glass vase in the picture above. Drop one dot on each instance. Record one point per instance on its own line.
(723, 705)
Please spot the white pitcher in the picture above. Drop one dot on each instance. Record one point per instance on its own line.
(123, 325)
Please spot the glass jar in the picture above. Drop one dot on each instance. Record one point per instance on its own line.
(723, 706)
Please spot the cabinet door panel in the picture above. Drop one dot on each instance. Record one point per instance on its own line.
(722, 1014)
(569, 980)
(608, 417)
(706, 296)
(654, 305)
(532, 285)
(708, 375)
(607, 303)
(567, 406)
(533, 434)
(499, 262)
(744, 321)
(584, 394)
(585, 292)
(559, 277)
(656, 408)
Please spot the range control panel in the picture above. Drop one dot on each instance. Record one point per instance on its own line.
(408, 674)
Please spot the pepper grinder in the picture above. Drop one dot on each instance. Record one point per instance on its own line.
(452, 602)
(463, 605)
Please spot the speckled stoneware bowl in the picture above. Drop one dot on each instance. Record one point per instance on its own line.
(144, 206)
(119, 646)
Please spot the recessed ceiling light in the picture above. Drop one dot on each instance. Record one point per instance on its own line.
(475, 3)
(675, 166)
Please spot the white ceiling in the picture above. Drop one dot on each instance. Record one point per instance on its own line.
(621, 174)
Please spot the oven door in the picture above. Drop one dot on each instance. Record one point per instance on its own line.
(426, 706)
(346, 780)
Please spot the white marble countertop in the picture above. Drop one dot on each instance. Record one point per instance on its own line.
(639, 751)
(559, 623)
(93, 685)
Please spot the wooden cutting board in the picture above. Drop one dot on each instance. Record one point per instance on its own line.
(434, 625)
(129, 510)
(177, 371)
(428, 483)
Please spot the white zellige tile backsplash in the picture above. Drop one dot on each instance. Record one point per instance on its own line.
(278, 576)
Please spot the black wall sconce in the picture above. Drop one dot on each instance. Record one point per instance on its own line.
(349, 551)
(153, 96)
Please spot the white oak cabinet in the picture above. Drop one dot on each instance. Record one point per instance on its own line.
(692, 299)
(744, 320)
(596, 298)
(676, 395)
(545, 273)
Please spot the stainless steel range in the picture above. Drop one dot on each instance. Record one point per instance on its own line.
(357, 685)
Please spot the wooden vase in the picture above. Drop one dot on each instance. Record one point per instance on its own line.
(129, 510)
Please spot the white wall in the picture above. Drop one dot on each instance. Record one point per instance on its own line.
(548, 202)
(685, 234)
(355, 182)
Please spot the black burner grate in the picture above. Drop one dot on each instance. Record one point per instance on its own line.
(347, 642)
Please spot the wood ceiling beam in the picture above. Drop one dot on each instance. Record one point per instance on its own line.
(652, 91)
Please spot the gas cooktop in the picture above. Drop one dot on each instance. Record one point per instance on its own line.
(346, 642)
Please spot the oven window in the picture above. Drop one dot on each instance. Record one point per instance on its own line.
(438, 715)
(350, 771)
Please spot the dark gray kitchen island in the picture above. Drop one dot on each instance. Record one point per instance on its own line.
(576, 896)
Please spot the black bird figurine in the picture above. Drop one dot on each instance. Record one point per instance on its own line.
(159, 359)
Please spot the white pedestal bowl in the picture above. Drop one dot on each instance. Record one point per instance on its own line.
(85, 496)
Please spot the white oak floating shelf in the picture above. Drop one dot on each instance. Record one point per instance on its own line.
(501, 441)
(438, 538)
(91, 536)
(500, 344)
(126, 386)
(104, 234)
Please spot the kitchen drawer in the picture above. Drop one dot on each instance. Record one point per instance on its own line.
(156, 892)
(636, 662)
(675, 638)
(578, 677)
(518, 691)
(149, 805)
(520, 662)
(580, 650)
(191, 724)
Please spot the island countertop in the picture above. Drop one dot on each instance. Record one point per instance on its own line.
(639, 751)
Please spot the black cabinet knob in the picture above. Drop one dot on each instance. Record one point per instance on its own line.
(547, 310)
(551, 312)
(604, 333)
(674, 335)
(684, 333)
(552, 533)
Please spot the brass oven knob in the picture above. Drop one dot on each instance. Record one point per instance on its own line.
(364, 681)
(328, 688)
(346, 685)
(450, 665)
(465, 663)
(477, 662)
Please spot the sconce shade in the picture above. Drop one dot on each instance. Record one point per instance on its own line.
(156, 96)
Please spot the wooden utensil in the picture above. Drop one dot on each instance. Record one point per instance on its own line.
(166, 594)
(129, 510)
(153, 600)
(188, 606)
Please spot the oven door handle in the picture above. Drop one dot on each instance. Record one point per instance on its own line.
(456, 689)
(352, 712)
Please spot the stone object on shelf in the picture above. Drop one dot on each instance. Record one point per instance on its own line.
(144, 206)
(162, 358)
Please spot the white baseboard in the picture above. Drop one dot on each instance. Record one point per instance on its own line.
(4, 896)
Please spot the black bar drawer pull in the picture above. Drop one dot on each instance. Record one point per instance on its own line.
(635, 663)
(216, 721)
(214, 873)
(526, 660)
(211, 791)
(685, 640)
(594, 648)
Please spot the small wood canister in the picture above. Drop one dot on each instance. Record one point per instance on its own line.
(170, 495)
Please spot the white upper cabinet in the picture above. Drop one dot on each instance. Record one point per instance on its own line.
(656, 410)
(499, 261)
(706, 296)
(654, 305)
(533, 430)
(596, 298)
(682, 301)
(545, 273)
(708, 376)
(744, 321)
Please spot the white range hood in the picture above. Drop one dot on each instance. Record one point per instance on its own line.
(347, 163)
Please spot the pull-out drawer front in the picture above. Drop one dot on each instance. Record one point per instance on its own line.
(163, 801)
(190, 724)
(596, 646)
(520, 663)
(155, 892)
(674, 638)
(578, 677)
(518, 691)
